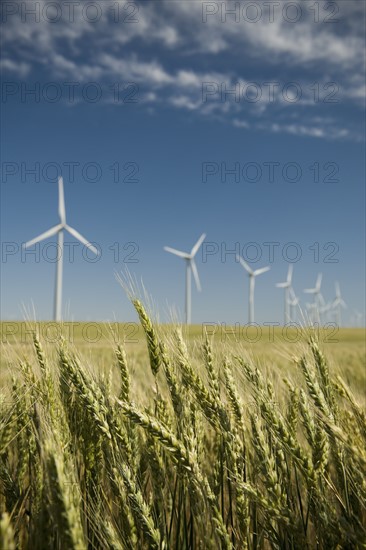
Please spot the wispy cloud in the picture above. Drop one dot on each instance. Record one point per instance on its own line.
(204, 46)
(21, 69)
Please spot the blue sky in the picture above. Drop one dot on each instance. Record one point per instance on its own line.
(173, 64)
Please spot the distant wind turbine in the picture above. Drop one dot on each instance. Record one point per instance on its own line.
(356, 318)
(293, 303)
(59, 230)
(316, 293)
(338, 303)
(287, 286)
(252, 275)
(190, 267)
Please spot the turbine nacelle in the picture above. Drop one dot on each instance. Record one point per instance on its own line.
(54, 230)
(287, 283)
(338, 301)
(249, 270)
(189, 257)
(62, 225)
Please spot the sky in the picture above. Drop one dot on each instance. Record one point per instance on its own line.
(167, 119)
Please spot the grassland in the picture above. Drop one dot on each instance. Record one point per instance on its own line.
(151, 436)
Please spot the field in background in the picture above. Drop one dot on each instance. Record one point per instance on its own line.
(272, 347)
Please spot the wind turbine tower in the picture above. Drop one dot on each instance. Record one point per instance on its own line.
(287, 286)
(190, 268)
(338, 303)
(293, 303)
(252, 275)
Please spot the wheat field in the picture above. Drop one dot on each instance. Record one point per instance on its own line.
(182, 441)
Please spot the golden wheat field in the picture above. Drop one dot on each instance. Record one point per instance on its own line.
(143, 435)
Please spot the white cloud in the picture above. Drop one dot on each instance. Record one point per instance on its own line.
(302, 41)
(20, 68)
(311, 131)
(173, 34)
(169, 35)
(181, 25)
(189, 78)
(238, 123)
(133, 69)
(185, 102)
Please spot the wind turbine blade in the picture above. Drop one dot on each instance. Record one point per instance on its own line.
(282, 285)
(44, 235)
(292, 293)
(177, 252)
(195, 275)
(61, 200)
(319, 282)
(197, 245)
(289, 274)
(245, 265)
(261, 270)
(310, 290)
(82, 239)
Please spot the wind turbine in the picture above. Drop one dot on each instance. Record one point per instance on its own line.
(356, 318)
(59, 230)
(190, 267)
(287, 286)
(316, 293)
(252, 275)
(338, 303)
